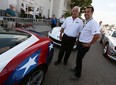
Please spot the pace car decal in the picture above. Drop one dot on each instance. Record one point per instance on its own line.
(24, 68)
(6, 57)
(50, 53)
(50, 47)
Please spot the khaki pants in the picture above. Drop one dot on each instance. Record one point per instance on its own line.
(11, 25)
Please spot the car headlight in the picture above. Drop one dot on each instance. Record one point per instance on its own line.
(111, 45)
(113, 54)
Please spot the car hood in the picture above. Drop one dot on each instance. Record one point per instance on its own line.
(56, 30)
(113, 40)
(55, 33)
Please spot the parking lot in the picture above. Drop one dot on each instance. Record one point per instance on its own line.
(97, 70)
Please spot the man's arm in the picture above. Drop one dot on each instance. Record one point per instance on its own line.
(61, 31)
(8, 15)
(95, 38)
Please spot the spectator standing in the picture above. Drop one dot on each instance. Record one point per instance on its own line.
(10, 12)
(100, 25)
(54, 21)
(61, 20)
(22, 13)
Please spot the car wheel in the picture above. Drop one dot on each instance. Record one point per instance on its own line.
(35, 78)
(105, 50)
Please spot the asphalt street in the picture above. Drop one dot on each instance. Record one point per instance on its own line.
(97, 70)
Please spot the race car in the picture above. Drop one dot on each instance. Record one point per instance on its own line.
(24, 57)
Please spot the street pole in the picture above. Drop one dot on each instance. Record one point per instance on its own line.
(34, 11)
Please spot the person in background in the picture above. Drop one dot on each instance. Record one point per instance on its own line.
(71, 28)
(88, 36)
(100, 25)
(54, 21)
(22, 13)
(61, 20)
(10, 12)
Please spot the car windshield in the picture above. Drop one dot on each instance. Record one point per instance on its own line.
(9, 40)
(114, 34)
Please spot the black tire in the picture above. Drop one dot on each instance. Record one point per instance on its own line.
(35, 78)
(105, 50)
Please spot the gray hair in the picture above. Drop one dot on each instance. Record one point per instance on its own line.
(76, 7)
(12, 5)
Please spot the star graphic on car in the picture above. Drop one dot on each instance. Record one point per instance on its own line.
(28, 64)
(51, 46)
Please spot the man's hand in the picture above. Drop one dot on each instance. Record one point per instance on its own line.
(86, 45)
(60, 37)
(95, 38)
(61, 31)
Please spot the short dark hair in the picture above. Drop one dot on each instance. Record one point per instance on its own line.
(91, 7)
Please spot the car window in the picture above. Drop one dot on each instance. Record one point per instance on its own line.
(114, 34)
(7, 41)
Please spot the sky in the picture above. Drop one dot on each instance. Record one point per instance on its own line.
(105, 11)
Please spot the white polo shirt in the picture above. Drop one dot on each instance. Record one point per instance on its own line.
(88, 31)
(72, 27)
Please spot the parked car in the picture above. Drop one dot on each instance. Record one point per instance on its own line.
(109, 43)
(54, 34)
(24, 57)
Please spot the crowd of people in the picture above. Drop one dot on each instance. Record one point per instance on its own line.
(57, 22)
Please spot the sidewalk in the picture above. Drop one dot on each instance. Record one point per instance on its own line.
(42, 28)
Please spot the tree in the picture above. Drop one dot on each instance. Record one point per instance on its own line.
(80, 3)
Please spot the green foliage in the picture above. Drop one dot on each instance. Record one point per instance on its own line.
(67, 14)
(80, 3)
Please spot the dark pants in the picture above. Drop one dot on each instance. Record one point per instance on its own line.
(80, 55)
(66, 47)
(60, 24)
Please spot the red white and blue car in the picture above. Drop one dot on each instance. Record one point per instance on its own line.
(24, 57)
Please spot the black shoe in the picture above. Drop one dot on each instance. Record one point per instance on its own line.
(56, 62)
(77, 75)
(72, 69)
(73, 78)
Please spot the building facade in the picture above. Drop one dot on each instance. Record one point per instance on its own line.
(44, 7)
(4, 4)
(60, 7)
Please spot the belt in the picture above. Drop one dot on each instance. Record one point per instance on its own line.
(82, 42)
(69, 36)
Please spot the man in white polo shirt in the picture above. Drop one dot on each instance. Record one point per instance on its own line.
(89, 35)
(71, 28)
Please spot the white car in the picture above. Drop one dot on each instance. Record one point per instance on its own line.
(109, 43)
(54, 35)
